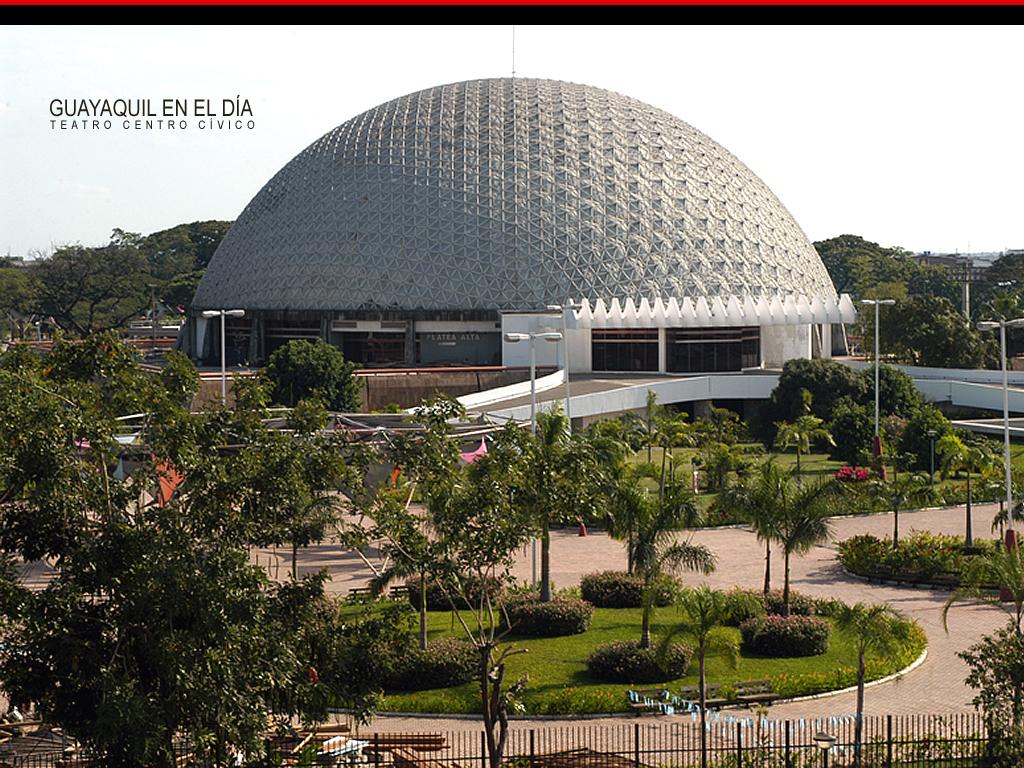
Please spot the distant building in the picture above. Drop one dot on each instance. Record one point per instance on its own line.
(420, 232)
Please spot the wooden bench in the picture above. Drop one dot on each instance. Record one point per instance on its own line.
(406, 758)
(655, 700)
(755, 692)
(417, 742)
(402, 591)
(712, 693)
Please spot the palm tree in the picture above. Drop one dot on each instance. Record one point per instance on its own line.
(670, 431)
(1002, 568)
(556, 469)
(758, 498)
(703, 612)
(646, 425)
(651, 546)
(878, 629)
(956, 456)
(903, 492)
(802, 434)
(718, 460)
(803, 523)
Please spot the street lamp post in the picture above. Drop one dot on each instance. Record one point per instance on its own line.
(532, 337)
(1002, 325)
(564, 309)
(224, 314)
(876, 445)
(931, 474)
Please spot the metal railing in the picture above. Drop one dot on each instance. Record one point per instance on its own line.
(731, 741)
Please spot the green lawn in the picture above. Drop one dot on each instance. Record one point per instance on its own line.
(559, 683)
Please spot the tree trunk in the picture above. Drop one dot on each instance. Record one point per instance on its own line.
(767, 566)
(702, 686)
(545, 563)
(645, 620)
(785, 584)
(295, 561)
(858, 729)
(799, 472)
(661, 485)
(895, 526)
(969, 537)
(423, 610)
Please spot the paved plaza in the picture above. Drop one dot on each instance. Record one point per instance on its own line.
(935, 687)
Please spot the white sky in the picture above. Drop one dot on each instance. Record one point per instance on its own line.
(910, 136)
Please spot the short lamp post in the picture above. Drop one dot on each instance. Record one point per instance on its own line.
(564, 309)
(1002, 325)
(824, 742)
(224, 314)
(932, 434)
(532, 337)
(876, 446)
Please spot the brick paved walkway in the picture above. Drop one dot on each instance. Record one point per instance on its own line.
(935, 687)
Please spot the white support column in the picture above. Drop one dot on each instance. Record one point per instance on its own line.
(662, 350)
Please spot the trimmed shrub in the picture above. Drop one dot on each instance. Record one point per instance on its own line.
(743, 604)
(921, 556)
(436, 600)
(561, 616)
(447, 661)
(624, 661)
(785, 636)
(619, 589)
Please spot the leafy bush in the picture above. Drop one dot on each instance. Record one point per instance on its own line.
(743, 604)
(436, 600)
(785, 636)
(302, 369)
(915, 439)
(618, 589)
(561, 616)
(447, 661)
(852, 429)
(921, 556)
(624, 661)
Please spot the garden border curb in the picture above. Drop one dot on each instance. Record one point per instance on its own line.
(632, 715)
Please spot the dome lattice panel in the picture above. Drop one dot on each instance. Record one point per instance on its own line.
(510, 195)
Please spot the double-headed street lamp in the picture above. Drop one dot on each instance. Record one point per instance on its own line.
(531, 337)
(877, 444)
(564, 309)
(1002, 325)
(224, 314)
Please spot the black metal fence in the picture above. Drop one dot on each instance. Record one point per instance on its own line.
(730, 741)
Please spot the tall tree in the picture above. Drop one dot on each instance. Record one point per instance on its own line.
(303, 369)
(956, 455)
(557, 471)
(652, 544)
(760, 498)
(878, 629)
(902, 492)
(156, 625)
(803, 523)
(87, 290)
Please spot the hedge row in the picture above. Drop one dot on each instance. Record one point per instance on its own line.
(447, 661)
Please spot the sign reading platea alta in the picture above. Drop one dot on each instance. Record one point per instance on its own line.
(165, 114)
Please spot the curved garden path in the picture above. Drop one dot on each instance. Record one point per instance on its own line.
(935, 687)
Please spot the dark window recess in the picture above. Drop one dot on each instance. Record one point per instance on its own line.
(371, 348)
(625, 350)
(707, 350)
